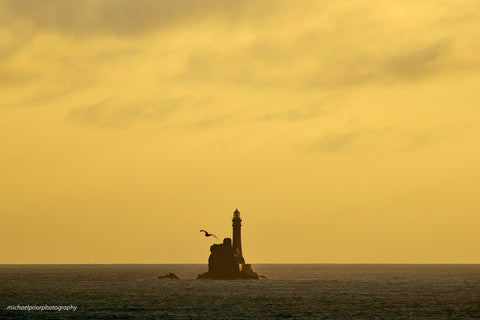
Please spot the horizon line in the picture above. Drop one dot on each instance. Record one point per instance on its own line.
(259, 263)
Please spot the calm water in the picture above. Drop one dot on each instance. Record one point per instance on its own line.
(291, 291)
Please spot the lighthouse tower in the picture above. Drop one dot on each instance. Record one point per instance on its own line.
(226, 260)
(237, 233)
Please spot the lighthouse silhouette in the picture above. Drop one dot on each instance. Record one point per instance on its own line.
(226, 259)
(237, 234)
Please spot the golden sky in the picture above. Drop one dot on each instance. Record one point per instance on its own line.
(344, 131)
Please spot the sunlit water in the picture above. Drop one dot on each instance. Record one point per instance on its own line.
(321, 291)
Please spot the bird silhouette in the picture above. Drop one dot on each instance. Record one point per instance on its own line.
(208, 234)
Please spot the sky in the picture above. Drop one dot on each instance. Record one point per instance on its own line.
(343, 131)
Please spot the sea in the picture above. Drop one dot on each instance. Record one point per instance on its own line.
(291, 291)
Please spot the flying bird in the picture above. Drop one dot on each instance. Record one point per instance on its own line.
(208, 234)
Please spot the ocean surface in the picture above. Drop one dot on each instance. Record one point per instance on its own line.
(305, 291)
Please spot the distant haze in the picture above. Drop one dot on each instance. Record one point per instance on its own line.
(344, 131)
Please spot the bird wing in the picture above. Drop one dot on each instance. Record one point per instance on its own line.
(208, 234)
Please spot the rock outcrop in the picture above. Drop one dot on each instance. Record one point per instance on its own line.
(227, 264)
(169, 275)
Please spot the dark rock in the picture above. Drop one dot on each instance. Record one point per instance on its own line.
(227, 264)
(170, 275)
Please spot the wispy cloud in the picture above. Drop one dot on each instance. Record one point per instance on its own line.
(409, 64)
(335, 142)
(208, 123)
(110, 113)
(419, 62)
(308, 110)
(419, 140)
(127, 18)
(277, 57)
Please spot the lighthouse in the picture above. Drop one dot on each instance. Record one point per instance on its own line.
(237, 234)
(226, 259)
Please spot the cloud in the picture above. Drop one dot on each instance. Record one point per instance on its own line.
(367, 49)
(418, 62)
(124, 17)
(208, 123)
(395, 139)
(408, 64)
(310, 109)
(14, 78)
(269, 44)
(335, 142)
(109, 113)
(260, 61)
(419, 140)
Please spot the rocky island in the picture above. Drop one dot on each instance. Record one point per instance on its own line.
(226, 260)
(169, 275)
